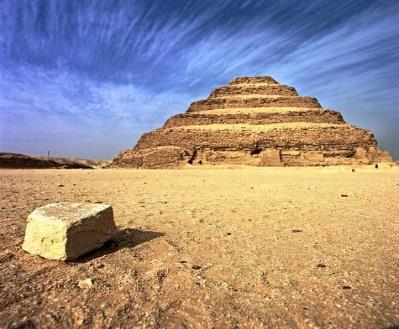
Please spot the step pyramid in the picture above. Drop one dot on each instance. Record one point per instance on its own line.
(254, 121)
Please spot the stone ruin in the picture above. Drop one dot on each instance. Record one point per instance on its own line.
(254, 121)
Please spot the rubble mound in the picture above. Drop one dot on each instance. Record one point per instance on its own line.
(23, 161)
(254, 121)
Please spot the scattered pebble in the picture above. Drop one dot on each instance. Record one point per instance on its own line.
(264, 278)
(344, 195)
(85, 284)
(60, 185)
(321, 265)
(196, 267)
(296, 231)
(346, 287)
(37, 302)
(25, 323)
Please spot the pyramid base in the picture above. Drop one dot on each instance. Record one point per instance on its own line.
(177, 157)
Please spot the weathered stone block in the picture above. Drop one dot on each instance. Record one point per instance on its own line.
(271, 157)
(65, 231)
(313, 157)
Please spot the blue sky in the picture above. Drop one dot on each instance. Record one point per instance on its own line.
(87, 78)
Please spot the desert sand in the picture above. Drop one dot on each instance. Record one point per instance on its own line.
(210, 248)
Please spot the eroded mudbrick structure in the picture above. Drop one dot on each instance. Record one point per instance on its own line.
(254, 121)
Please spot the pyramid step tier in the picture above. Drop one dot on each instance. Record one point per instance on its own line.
(254, 118)
(294, 144)
(297, 136)
(177, 157)
(233, 102)
(267, 109)
(240, 90)
(253, 80)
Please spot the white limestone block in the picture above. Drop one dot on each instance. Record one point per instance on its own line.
(66, 230)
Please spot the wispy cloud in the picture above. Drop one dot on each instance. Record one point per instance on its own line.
(43, 110)
(87, 78)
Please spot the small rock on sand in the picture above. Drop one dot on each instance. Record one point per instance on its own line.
(85, 284)
(65, 231)
(196, 267)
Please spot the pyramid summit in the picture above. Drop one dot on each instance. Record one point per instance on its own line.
(254, 121)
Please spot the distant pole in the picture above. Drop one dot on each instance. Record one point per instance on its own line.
(48, 155)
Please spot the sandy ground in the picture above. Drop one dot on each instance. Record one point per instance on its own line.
(211, 248)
